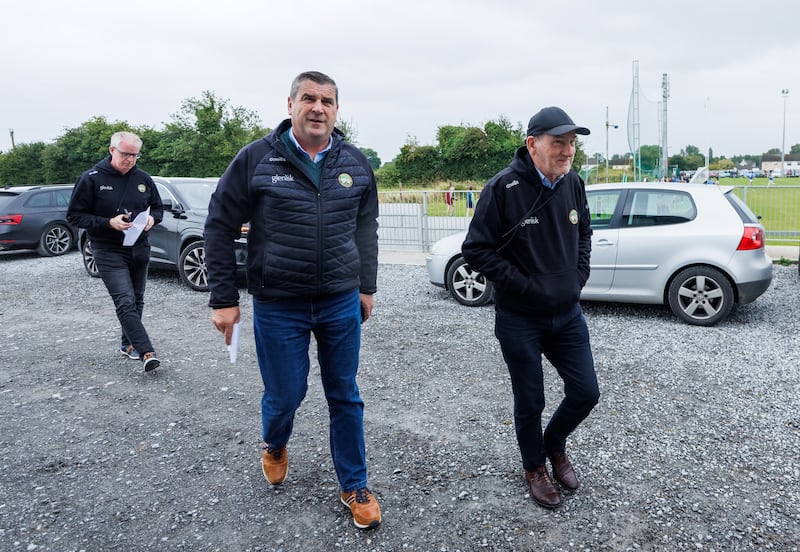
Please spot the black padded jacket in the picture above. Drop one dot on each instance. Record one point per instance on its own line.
(303, 241)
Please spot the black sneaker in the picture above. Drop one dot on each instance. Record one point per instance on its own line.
(150, 362)
(129, 352)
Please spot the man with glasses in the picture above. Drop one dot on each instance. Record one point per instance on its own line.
(106, 201)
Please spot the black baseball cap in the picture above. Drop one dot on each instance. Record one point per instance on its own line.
(553, 121)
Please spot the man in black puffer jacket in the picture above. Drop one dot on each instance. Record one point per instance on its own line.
(531, 238)
(312, 259)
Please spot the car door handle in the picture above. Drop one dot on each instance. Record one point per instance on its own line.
(604, 243)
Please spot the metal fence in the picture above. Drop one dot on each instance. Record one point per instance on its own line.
(416, 220)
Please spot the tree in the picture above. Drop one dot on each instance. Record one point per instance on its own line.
(650, 157)
(372, 157)
(773, 151)
(795, 149)
(204, 136)
(78, 149)
(22, 165)
(418, 163)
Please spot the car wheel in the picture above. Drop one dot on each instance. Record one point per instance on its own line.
(467, 286)
(88, 260)
(55, 240)
(701, 296)
(192, 266)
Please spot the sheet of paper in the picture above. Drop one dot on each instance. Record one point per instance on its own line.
(132, 234)
(233, 348)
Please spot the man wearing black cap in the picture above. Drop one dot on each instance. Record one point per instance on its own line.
(531, 237)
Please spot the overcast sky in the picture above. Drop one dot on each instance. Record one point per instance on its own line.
(405, 68)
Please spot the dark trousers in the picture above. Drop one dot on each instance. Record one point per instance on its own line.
(124, 272)
(564, 341)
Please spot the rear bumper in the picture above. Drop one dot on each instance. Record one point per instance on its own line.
(750, 291)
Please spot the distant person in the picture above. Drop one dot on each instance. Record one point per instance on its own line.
(105, 201)
(771, 180)
(470, 201)
(531, 237)
(312, 261)
(449, 198)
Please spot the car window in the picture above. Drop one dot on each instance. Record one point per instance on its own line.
(741, 208)
(62, 197)
(5, 199)
(164, 192)
(40, 199)
(602, 205)
(658, 207)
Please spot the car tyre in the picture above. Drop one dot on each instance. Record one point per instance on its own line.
(192, 266)
(88, 260)
(701, 296)
(55, 240)
(467, 286)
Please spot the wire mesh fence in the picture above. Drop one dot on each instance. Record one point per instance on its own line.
(415, 220)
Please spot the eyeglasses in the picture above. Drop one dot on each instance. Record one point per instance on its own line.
(127, 155)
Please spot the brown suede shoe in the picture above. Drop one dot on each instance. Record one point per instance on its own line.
(563, 472)
(365, 509)
(543, 490)
(275, 464)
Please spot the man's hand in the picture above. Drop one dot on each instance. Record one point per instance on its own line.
(224, 319)
(367, 304)
(120, 222)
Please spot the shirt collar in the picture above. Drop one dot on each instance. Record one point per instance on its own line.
(546, 182)
(317, 158)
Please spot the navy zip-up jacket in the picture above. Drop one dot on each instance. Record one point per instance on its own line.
(303, 241)
(102, 193)
(531, 242)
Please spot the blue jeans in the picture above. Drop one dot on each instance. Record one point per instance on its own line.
(564, 341)
(124, 272)
(283, 329)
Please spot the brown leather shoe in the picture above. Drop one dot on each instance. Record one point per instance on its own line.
(364, 507)
(563, 472)
(275, 464)
(543, 490)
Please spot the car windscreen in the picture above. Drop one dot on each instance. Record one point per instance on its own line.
(195, 194)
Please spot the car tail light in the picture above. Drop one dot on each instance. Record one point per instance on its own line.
(753, 238)
(10, 219)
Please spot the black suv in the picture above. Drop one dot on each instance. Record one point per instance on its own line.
(177, 243)
(35, 217)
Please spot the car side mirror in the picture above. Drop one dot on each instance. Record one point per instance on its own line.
(167, 203)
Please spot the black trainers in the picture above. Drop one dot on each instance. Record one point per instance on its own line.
(150, 362)
(129, 352)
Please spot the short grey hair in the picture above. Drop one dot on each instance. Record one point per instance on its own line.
(118, 137)
(314, 76)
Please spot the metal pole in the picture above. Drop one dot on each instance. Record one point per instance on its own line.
(608, 125)
(785, 94)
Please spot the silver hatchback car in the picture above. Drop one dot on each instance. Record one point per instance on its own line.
(697, 248)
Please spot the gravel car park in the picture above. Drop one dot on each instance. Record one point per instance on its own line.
(695, 443)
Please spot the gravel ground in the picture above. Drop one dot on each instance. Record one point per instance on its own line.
(695, 443)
